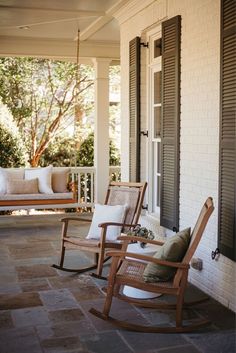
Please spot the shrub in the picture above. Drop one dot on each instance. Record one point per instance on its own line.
(13, 152)
(86, 153)
(59, 153)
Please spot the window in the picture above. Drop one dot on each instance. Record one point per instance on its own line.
(154, 99)
(157, 104)
(164, 112)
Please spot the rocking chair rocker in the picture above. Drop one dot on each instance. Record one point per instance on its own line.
(127, 269)
(119, 193)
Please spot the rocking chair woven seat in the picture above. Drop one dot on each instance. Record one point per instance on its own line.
(127, 270)
(133, 272)
(119, 193)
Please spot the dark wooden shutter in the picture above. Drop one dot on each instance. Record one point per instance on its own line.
(227, 180)
(169, 198)
(134, 109)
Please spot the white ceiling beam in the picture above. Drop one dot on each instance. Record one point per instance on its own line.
(102, 21)
(94, 27)
(58, 49)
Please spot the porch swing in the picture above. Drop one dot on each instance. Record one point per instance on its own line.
(56, 198)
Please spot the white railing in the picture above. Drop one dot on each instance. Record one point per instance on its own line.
(114, 173)
(83, 178)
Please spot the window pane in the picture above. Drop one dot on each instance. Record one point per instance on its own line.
(158, 191)
(158, 157)
(157, 48)
(157, 87)
(157, 122)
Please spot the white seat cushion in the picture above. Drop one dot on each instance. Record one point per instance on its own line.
(55, 196)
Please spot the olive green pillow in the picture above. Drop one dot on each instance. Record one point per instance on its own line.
(173, 250)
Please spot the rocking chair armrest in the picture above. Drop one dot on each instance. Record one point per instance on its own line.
(67, 219)
(107, 224)
(135, 256)
(104, 227)
(132, 239)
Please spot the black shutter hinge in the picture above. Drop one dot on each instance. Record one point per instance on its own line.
(145, 207)
(144, 133)
(145, 45)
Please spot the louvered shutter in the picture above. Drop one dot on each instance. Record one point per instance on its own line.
(227, 193)
(134, 109)
(169, 197)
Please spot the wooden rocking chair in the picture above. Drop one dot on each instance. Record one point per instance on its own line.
(127, 269)
(119, 193)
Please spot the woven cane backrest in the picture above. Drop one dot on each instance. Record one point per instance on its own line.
(196, 235)
(130, 194)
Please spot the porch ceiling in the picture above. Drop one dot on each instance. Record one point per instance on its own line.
(49, 28)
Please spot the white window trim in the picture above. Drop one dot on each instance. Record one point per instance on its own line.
(151, 36)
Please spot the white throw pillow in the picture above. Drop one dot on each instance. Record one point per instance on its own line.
(9, 174)
(44, 176)
(107, 213)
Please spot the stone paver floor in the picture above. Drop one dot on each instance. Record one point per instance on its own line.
(43, 310)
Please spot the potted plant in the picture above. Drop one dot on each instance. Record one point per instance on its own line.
(139, 231)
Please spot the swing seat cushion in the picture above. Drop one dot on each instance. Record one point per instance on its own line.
(39, 196)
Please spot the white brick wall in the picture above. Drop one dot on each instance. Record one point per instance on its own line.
(200, 73)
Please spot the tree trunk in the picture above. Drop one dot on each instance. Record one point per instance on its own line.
(34, 161)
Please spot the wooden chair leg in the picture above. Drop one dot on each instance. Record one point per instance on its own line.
(62, 256)
(110, 288)
(180, 302)
(100, 262)
(116, 290)
(108, 301)
(109, 293)
(63, 234)
(179, 312)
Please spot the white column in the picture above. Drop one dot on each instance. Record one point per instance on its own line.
(101, 130)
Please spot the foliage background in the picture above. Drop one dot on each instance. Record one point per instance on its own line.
(12, 150)
(51, 115)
